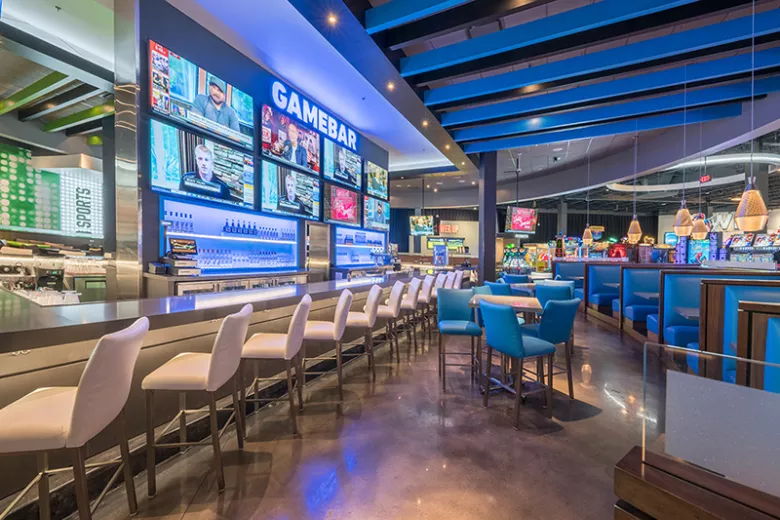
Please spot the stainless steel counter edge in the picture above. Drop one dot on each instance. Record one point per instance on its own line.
(25, 325)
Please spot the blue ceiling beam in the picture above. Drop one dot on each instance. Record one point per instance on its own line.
(400, 12)
(665, 47)
(699, 115)
(630, 109)
(643, 83)
(594, 16)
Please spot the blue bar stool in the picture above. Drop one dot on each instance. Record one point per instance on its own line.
(456, 319)
(503, 333)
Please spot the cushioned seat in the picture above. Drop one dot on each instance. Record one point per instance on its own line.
(652, 323)
(681, 334)
(265, 346)
(616, 305)
(537, 347)
(530, 329)
(38, 421)
(459, 328)
(358, 320)
(692, 359)
(638, 312)
(515, 278)
(579, 293)
(320, 330)
(187, 371)
(603, 298)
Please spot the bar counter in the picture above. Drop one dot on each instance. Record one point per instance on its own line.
(49, 346)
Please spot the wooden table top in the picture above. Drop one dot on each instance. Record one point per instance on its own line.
(690, 313)
(519, 303)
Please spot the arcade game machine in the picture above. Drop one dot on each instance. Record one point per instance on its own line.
(740, 247)
(750, 247)
(598, 250)
(571, 247)
(696, 252)
(510, 252)
(617, 250)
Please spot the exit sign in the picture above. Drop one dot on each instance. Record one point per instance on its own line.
(705, 178)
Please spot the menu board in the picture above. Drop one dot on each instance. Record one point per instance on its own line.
(341, 165)
(376, 214)
(376, 181)
(342, 206)
(66, 203)
(288, 192)
(181, 90)
(290, 142)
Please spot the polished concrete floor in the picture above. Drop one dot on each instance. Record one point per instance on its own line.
(403, 449)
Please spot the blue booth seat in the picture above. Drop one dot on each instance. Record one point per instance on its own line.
(652, 323)
(637, 308)
(616, 305)
(772, 374)
(681, 335)
(603, 298)
(579, 293)
(693, 359)
(569, 270)
(638, 312)
(598, 292)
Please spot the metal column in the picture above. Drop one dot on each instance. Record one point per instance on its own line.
(488, 170)
(563, 217)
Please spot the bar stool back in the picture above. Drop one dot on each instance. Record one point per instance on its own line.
(366, 320)
(332, 332)
(424, 303)
(54, 418)
(390, 312)
(458, 280)
(409, 308)
(450, 281)
(202, 372)
(279, 346)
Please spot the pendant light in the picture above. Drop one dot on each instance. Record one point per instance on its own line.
(752, 214)
(699, 226)
(587, 235)
(634, 229)
(683, 223)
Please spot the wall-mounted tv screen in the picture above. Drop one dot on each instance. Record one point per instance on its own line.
(521, 220)
(376, 214)
(290, 142)
(181, 90)
(289, 192)
(342, 206)
(185, 164)
(421, 225)
(67, 202)
(341, 165)
(376, 181)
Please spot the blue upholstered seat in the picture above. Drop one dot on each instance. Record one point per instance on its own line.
(515, 278)
(537, 347)
(557, 322)
(639, 312)
(616, 305)
(558, 283)
(579, 293)
(503, 333)
(480, 290)
(603, 298)
(459, 328)
(546, 292)
(499, 288)
(679, 335)
(529, 329)
(455, 317)
(652, 323)
(692, 359)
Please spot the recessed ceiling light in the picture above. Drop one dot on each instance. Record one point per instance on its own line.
(557, 149)
(402, 178)
(436, 190)
(390, 86)
(425, 123)
(446, 147)
(461, 181)
(427, 185)
(332, 20)
(439, 183)
(463, 163)
(473, 183)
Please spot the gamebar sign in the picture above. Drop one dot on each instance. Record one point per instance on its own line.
(297, 106)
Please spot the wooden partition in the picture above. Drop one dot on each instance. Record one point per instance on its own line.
(753, 322)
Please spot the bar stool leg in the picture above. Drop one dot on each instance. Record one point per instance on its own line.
(291, 395)
(215, 442)
(80, 478)
(151, 478)
(370, 346)
(518, 392)
(395, 335)
(550, 359)
(182, 420)
(242, 393)
(300, 376)
(44, 500)
(256, 376)
(473, 350)
(487, 375)
(414, 332)
(443, 345)
(568, 372)
(124, 449)
(237, 412)
(339, 367)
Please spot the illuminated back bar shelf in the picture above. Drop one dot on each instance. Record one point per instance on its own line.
(230, 241)
(358, 247)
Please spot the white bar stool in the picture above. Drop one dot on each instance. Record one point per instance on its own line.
(449, 283)
(458, 279)
(390, 312)
(424, 303)
(279, 346)
(68, 417)
(441, 278)
(366, 320)
(331, 331)
(409, 309)
(190, 372)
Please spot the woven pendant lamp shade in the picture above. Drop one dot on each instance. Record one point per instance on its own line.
(587, 236)
(634, 231)
(751, 213)
(683, 222)
(699, 229)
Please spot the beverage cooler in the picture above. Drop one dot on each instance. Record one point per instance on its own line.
(358, 252)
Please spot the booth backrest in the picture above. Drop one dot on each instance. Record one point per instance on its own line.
(640, 280)
(568, 270)
(758, 340)
(598, 275)
(772, 374)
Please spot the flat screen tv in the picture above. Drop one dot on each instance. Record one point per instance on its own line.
(342, 206)
(521, 220)
(181, 90)
(421, 225)
(289, 192)
(341, 165)
(192, 166)
(376, 181)
(671, 238)
(376, 214)
(290, 142)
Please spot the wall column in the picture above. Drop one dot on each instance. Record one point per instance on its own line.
(488, 172)
(563, 217)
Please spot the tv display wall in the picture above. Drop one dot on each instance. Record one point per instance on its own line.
(290, 142)
(376, 181)
(289, 192)
(181, 90)
(376, 214)
(342, 206)
(341, 165)
(192, 166)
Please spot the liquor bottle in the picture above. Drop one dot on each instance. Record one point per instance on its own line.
(226, 226)
(254, 228)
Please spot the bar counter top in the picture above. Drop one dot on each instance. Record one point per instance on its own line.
(25, 325)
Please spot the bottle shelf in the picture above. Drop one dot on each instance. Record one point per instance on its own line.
(231, 238)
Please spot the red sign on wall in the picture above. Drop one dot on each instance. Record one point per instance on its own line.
(448, 229)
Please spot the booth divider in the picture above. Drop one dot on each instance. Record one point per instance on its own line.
(759, 340)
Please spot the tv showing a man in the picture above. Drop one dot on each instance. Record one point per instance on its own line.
(289, 199)
(213, 106)
(203, 181)
(293, 151)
